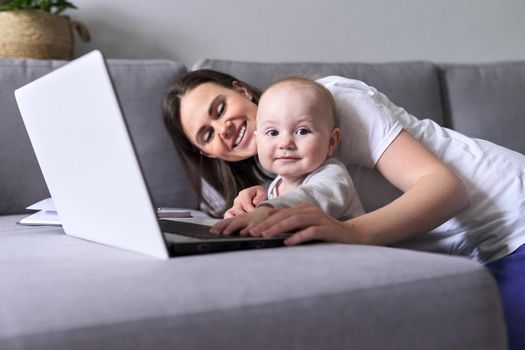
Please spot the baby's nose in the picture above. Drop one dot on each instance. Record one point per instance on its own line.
(287, 143)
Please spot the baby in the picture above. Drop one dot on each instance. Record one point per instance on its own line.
(296, 136)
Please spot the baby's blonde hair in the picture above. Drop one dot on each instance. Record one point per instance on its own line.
(322, 91)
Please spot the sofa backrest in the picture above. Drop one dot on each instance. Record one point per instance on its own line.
(140, 86)
(486, 101)
(411, 85)
(480, 100)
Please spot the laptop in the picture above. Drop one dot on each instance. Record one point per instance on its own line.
(83, 146)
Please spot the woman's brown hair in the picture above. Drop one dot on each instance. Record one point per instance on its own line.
(227, 178)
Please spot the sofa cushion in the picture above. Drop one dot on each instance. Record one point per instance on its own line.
(411, 85)
(486, 101)
(140, 86)
(60, 292)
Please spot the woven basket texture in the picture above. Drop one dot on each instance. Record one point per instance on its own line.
(35, 34)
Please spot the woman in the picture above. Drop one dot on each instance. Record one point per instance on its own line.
(435, 172)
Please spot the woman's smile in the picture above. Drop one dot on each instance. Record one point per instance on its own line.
(240, 136)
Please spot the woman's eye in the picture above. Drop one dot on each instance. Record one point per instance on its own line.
(220, 109)
(302, 131)
(208, 136)
(272, 133)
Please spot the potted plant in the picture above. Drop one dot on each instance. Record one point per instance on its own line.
(36, 29)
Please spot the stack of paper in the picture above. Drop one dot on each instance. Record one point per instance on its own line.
(46, 214)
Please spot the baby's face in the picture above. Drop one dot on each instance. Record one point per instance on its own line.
(294, 130)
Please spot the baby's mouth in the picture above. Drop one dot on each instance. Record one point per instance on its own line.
(286, 156)
(240, 136)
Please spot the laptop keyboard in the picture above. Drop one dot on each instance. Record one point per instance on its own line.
(193, 230)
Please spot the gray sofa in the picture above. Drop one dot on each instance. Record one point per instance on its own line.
(58, 292)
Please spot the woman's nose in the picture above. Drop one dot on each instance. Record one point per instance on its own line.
(226, 130)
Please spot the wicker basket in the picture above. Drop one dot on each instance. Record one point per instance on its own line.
(38, 34)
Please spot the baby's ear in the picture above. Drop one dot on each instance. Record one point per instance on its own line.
(335, 138)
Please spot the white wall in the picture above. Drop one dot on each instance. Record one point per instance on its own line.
(306, 30)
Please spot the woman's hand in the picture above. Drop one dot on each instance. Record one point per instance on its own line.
(246, 201)
(308, 223)
(242, 223)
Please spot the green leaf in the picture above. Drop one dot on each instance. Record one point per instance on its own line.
(52, 6)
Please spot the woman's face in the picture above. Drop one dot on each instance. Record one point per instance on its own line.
(220, 121)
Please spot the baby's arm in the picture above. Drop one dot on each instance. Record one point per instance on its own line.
(246, 201)
(329, 188)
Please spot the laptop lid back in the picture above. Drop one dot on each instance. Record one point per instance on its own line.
(88, 160)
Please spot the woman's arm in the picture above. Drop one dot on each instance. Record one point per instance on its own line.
(432, 195)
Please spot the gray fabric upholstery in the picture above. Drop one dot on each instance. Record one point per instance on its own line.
(486, 101)
(412, 85)
(140, 85)
(60, 292)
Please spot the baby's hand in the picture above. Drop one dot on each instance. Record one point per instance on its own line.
(242, 223)
(246, 201)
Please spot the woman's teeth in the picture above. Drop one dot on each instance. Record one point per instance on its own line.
(240, 136)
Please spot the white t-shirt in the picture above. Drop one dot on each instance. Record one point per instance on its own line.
(492, 226)
(329, 187)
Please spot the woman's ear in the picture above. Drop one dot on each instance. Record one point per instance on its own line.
(241, 89)
(334, 141)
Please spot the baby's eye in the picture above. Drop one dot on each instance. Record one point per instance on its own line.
(302, 131)
(271, 132)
